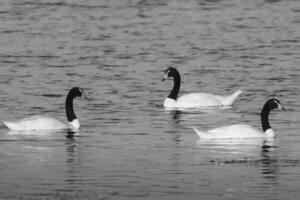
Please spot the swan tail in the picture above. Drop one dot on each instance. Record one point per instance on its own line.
(201, 134)
(230, 99)
(11, 125)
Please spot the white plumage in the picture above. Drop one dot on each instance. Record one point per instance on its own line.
(237, 131)
(194, 100)
(39, 122)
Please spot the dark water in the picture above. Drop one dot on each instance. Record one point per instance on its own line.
(129, 147)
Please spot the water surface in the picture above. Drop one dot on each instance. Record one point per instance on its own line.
(129, 147)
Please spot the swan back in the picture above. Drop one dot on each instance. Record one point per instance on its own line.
(38, 122)
(197, 100)
(230, 132)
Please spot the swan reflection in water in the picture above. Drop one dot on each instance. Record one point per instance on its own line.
(247, 147)
(188, 115)
(254, 152)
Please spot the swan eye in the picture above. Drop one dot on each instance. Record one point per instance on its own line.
(81, 91)
(279, 106)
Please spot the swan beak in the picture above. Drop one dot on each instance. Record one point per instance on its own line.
(280, 107)
(84, 96)
(165, 77)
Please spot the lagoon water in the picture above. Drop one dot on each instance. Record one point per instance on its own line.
(129, 147)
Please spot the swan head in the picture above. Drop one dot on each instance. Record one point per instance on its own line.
(77, 92)
(272, 104)
(170, 72)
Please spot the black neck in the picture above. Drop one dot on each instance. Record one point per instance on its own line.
(265, 119)
(69, 108)
(175, 90)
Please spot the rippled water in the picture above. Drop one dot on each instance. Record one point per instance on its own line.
(129, 147)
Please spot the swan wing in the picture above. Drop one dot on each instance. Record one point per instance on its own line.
(230, 132)
(37, 122)
(198, 100)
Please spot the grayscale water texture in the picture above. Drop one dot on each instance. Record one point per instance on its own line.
(129, 147)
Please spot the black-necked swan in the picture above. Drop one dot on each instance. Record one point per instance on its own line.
(194, 100)
(237, 131)
(40, 122)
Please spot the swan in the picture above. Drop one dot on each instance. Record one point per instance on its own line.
(41, 122)
(237, 131)
(194, 100)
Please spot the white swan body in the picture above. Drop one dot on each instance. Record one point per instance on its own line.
(194, 100)
(239, 131)
(236, 131)
(41, 122)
